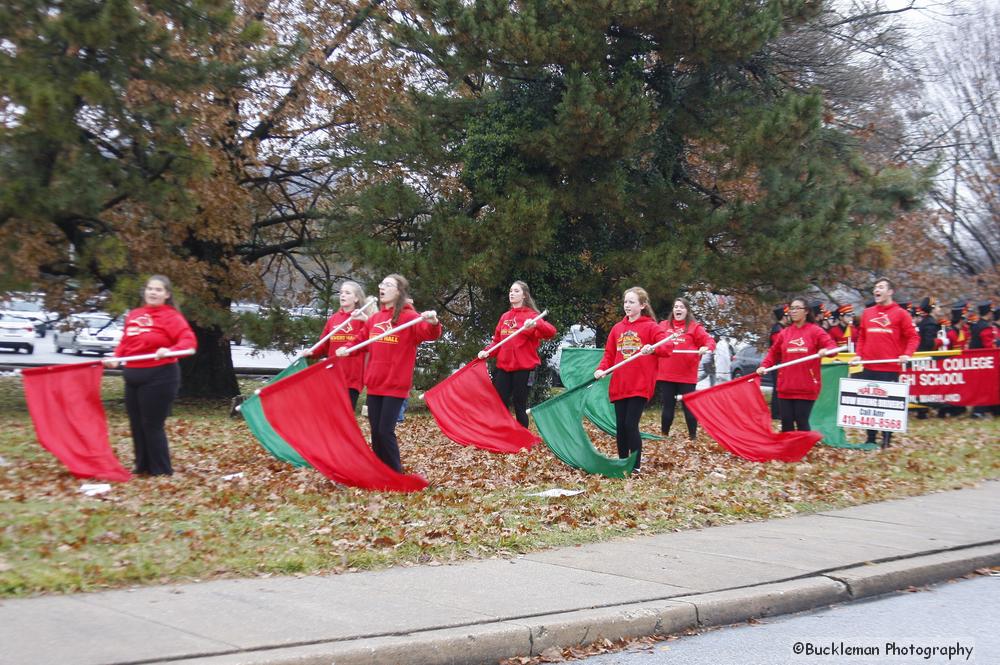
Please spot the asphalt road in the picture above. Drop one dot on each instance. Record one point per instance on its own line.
(959, 614)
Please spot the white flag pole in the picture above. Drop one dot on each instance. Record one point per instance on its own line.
(519, 331)
(636, 355)
(391, 331)
(805, 359)
(371, 300)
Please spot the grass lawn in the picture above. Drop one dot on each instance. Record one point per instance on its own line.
(278, 520)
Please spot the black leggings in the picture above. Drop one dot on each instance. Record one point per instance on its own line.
(628, 411)
(875, 375)
(383, 413)
(149, 394)
(513, 387)
(669, 390)
(795, 414)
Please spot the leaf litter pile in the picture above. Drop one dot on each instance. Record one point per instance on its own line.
(232, 510)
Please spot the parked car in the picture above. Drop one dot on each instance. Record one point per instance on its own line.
(93, 333)
(578, 335)
(30, 309)
(16, 333)
(747, 360)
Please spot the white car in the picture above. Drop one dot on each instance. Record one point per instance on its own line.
(93, 333)
(29, 310)
(16, 333)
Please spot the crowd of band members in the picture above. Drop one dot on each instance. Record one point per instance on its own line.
(960, 326)
(385, 368)
(963, 325)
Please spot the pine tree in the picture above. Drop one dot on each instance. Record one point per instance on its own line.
(588, 146)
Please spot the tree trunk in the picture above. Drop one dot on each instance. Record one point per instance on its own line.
(209, 373)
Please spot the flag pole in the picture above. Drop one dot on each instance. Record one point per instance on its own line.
(519, 331)
(888, 360)
(391, 331)
(636, 355)
(152, 356)
(124, 359)
(369, 301)
(806, 359)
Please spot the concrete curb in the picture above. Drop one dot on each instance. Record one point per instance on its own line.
(487, 643)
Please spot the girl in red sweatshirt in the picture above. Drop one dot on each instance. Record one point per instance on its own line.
(677, 374)
(632, 385)
(151, 385)
(517, 358)
(799, 385)
(352, 300)
(389, 372)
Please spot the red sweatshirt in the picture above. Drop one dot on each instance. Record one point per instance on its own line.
(389, 372)
(521, 352)
(353, 365)
(638, 378)
(886, 331)
(802, 381)
(683, 367)
(148, 329)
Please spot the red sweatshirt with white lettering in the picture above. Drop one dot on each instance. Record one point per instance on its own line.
(886, 332)
(148, 329)
(683, 367)
(802, 381)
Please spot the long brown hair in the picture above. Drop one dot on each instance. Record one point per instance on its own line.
(688, 318)
(528, 300)
(403, 291)
(643, 297)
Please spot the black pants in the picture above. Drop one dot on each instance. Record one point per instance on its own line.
(383, 412)
(669, 390)
(628, 411)
(795, 414)
(873, 375)
(513, 387)
(354, 397)
(149, 394)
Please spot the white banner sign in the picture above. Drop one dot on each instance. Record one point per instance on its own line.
(877, 405)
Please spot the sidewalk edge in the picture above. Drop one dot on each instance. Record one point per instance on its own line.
(488, 643)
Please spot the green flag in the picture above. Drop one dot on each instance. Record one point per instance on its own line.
(824, 414)
(576, 367)
(560, 422)
(253, 414)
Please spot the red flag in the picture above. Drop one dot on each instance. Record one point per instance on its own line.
(65, 406)
(312, 412)
(469, 411)
(735, 414)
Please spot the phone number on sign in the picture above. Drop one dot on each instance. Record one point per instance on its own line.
(848, 420)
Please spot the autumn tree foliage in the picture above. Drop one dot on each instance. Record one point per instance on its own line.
(198, 139)
(589, 146)
(959, 126)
